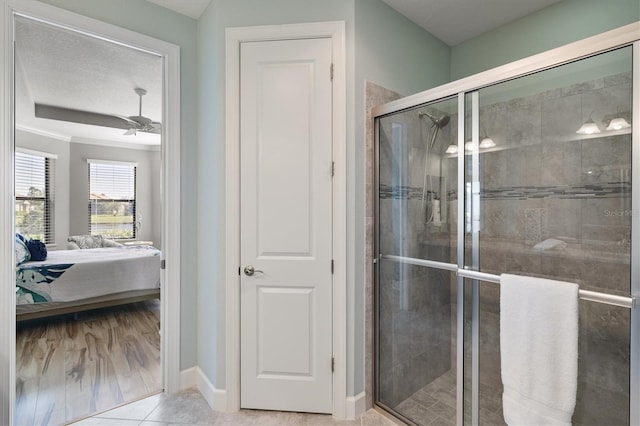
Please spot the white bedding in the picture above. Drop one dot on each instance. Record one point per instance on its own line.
(71, 275)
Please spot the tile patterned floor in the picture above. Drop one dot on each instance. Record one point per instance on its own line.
(435, 404)
(188, 407)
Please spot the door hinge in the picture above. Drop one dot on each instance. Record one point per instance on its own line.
(239, 271)
(331, 72)
(333, 364)
(163, 264)
(333, 168)
(332, 265)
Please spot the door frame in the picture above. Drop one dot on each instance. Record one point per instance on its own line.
(170, 183)
(234, 37)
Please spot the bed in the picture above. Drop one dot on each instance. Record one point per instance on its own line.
(77, 280)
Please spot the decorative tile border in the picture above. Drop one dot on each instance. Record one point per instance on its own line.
(605, 190)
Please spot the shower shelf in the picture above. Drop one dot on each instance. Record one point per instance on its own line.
(593, 296)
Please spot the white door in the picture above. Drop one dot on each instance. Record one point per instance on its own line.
(286, 225)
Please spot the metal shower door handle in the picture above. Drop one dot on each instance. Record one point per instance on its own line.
(250, 270)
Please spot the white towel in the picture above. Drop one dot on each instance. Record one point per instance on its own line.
(538, 349)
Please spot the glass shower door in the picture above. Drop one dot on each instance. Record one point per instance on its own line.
(548, 172)
(530, 176)
(416, 311)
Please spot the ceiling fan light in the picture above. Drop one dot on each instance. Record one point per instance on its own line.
(618, 123)
(588, 128)
(469, 146)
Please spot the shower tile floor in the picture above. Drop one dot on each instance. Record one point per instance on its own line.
(435, 404)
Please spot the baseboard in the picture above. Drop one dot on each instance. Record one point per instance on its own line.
(188, 378)
(356, 405)
(216, 398)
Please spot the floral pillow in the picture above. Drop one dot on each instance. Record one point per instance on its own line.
(76, 242)
(84, 241)
(22, 252)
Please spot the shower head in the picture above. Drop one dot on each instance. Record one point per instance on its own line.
(439, 122)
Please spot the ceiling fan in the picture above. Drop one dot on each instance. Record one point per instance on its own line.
(139, 122)
(132, 124)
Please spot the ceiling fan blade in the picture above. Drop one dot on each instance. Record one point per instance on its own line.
(131, 120)
(115, 121)
(83, 117)
(142, 121)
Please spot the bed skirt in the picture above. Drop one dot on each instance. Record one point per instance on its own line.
(40, 310)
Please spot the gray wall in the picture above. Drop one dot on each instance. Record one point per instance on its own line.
(147, 186)
(163, 24)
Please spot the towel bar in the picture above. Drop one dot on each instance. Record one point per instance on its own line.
(593, 296)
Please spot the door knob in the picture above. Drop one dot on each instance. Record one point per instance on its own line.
(250, 270)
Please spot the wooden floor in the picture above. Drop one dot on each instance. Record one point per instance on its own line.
(70, 368)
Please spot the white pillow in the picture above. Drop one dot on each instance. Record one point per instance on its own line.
(22, 252)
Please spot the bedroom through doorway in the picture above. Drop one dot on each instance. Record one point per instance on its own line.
(88, 223)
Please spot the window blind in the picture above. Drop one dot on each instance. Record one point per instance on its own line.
(112, 199)
(34, 196)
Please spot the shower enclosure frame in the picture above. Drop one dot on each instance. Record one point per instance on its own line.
(621, 37)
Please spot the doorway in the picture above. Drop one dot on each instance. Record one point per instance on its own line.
(163, 211)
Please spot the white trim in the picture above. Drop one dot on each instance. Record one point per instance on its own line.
(216, 398)
(7, 255)
(356, 405)
(235, 36)
(170, 340)
(188, 378)
(45, 133)
(115, 144)
(112, 162)
(194, 377)
(36, 153)
(90, 141)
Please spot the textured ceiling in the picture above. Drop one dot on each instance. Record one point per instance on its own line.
(455, 21)
(62, 68)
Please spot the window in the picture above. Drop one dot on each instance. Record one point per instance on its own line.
(34, 202)
(112, 199)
